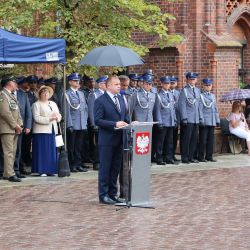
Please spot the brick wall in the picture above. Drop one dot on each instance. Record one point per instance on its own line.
(196, 20)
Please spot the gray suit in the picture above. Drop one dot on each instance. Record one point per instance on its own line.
(144, 108)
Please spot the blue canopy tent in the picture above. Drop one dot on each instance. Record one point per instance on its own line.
(18, 49)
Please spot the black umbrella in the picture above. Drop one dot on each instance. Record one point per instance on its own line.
(112, 56)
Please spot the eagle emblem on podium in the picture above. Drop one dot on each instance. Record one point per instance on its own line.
(142, 143)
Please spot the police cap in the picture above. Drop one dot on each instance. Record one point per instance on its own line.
(32, 79)
(133, 76)
(207, 81)
(191, 75)
(148, 79)
(74, 77)
(165, 79)
(102, 79)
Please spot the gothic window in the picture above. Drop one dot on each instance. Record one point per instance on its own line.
(232, 4)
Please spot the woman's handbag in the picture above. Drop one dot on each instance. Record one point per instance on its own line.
(59, 137)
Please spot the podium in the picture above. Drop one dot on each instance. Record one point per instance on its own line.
(137, 164)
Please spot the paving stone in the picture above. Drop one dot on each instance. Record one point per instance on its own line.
(195, 209)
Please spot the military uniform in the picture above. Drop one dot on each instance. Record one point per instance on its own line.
(190, 116)
(211, 119)
(9, 118)
(167, 122)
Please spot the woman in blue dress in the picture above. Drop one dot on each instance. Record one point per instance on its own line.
(45, 117)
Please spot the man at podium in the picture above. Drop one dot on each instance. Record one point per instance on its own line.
(109, 113)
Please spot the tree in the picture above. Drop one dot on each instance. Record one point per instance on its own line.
(86, 24)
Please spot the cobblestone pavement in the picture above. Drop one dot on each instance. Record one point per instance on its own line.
(198, 208)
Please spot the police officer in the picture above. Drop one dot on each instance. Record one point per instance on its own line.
(166, 124)
(190, 117)
(176, 94)
(10, 126)
(27, 138)
(93, 131)
(77, 115)
(211, 119)
(143, 103)
(133, 83)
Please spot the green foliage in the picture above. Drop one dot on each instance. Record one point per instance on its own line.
(86, 24)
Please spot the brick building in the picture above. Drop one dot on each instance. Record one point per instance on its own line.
(216, 43)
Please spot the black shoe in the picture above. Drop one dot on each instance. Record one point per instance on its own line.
(212, 160)
(14, 179)
(96, 166)
(185, 161)
(202, 160)
(172, 162)
(24, 172)
(193, 161)
(20, 175)
(80, 169)
(160, 163)
(117, 199)
(84, 166)
(74, 170)
(106, 200)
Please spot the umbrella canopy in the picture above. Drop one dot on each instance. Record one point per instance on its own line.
(236, 94)
(112, 56)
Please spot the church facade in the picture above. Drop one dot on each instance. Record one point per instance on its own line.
(216, 44)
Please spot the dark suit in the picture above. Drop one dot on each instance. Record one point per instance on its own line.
(25, 110)
(110, 142)
(26, 140)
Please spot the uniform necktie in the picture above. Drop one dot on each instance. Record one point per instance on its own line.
(77, 94)
(117, 103)
(147, 95)
(194, 92)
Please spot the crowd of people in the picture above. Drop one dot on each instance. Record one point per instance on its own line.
(31, 108)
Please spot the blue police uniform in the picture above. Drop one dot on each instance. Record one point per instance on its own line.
(77, 116)
(190, 117)
(211, 119)
(167, 122)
